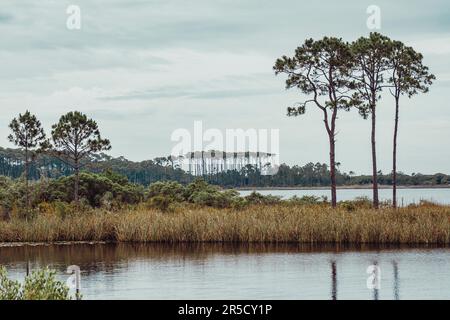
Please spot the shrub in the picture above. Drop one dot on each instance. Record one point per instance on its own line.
(40, 285)
(169, 189)
(307, 200)
(216, 198)
(258, 198)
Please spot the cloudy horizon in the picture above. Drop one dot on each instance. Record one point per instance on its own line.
(143, 69)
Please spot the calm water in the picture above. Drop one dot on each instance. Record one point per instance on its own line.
(405, 196)
(211, 271)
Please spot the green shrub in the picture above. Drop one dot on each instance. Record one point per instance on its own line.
(40, 285)
(307, 200)
(169, 189)
(258, 198)
(216, 198)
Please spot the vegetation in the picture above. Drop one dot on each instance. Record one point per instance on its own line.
(40, 285)
(372, 57)
(321, 69)
(409, 77)
(150, 171)
(334, 74)
(339, 75)
(74, 138)
(27, 133)
(113, 209)
(281, 222)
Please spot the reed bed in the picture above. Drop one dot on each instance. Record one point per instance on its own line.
(425, 224)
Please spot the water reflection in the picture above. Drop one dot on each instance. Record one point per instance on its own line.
(376, 281)
(333, 281)
(396, 281)
(249, 271)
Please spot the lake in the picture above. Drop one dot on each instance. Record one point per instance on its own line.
(404, 196)
(252, 271)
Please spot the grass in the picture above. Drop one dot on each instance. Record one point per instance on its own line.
(424, 224)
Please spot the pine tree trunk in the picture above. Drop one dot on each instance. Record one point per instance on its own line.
(77, 183)
(333, 171)
(394, 156)
(27, 190)
(374, 158)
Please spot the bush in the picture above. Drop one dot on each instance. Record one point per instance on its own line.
(217, 199)
(258, 198)
(169, 189)
(95, 188)
(307, 200)
(40, 285)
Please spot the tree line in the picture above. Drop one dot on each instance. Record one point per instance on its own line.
(161, 169)
(336, 75)
(73, 138)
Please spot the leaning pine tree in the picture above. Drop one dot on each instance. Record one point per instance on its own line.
(322, 70)
(75, 138)
(409, 77)
(27, 134)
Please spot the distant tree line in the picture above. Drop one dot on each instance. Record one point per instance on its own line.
(161, 169)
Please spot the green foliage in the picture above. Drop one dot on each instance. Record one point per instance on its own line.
(409, 76)
(96, 189)
(307, 200)
(216, 198)
(168, 194)
(165, 195)
(258, 198)
(75, 137)
(201, 193)
(9, 289)
(147, 172)
(27, 132)
(40, 285)
(322, 69)
(168, 189)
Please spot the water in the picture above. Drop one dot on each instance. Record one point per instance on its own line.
(216, 271)
(404, 196)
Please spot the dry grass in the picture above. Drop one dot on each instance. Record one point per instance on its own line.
(425, 224)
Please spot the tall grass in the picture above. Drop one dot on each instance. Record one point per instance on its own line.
(424, 224)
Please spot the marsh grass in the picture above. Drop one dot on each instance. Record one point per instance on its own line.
(422, 224)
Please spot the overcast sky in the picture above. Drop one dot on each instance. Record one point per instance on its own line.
(145, 68)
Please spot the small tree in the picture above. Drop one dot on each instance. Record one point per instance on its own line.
(409, 77)
(372, 58)
(321, 69)
(28, 135)
(75, 138)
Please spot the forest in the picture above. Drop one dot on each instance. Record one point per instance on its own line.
(161, 169)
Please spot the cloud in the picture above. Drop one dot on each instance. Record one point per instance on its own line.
(144, 68)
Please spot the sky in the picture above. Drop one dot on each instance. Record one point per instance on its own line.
(143, 69)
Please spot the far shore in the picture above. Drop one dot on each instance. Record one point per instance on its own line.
(365, 186)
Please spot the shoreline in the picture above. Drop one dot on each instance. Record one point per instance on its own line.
(346, 245)
(361, 187)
